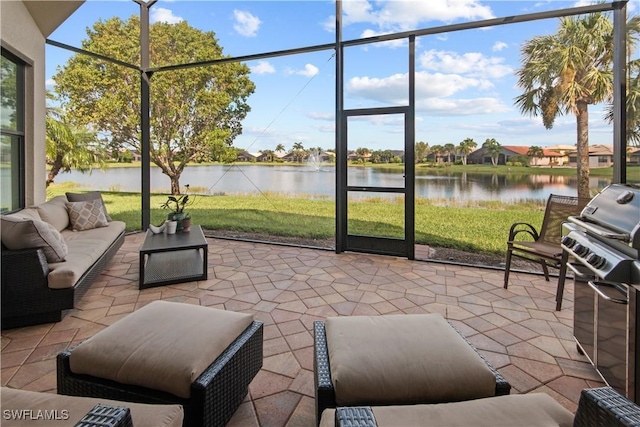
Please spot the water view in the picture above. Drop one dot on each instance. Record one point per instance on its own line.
(320, 182)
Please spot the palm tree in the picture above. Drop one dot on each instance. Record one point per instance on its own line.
(493, 149)
(535, 151)
(363, 153)
(567, 71)
(465, 148)
(69, 147)
(449, 148)
(298, 151)
(279, 148)
(437, 152)
(268, 155)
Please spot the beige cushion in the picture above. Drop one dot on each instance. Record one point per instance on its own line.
(23, 233)
(55, 212)
(163, 346)
(525, 410)
(85, 248)
(399, 359)
(70, 409)
(91, 195)
(86, 215)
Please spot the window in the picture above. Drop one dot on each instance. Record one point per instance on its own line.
(11, 133)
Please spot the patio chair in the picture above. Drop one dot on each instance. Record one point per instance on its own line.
(543, 246)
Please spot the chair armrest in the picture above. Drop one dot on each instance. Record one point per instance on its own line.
(351, 416)
(523, 227)
(106, 416)
(605, 407)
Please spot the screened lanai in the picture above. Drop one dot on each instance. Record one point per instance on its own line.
(397, 229)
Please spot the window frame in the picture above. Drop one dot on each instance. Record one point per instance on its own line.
(17, 188)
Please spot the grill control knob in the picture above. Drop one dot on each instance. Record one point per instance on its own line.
(596, 260)
(568, 241)
(581, 250)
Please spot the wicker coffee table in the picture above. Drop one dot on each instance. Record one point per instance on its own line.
(173, 258)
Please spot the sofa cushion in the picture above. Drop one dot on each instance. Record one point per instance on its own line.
(530, 410)
(162, 346)
(86, 215)
(54, 212)
(22, 233)
(91, 195)
(401, 359)
(85, 248)
(70, 409)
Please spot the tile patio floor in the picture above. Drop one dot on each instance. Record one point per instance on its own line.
(289, 287)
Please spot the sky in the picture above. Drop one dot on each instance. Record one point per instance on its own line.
(465, 80)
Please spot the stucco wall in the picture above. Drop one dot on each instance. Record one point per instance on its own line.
(22, 37)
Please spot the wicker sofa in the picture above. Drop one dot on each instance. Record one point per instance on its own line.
(40, 280)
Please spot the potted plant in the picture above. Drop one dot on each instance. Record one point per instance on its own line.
(186, 222)
(177, 205)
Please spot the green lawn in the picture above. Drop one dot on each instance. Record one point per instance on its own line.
(477, 227)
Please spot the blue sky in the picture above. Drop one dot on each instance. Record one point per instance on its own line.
(465, 81)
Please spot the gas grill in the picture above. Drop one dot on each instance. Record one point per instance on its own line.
(604, 242)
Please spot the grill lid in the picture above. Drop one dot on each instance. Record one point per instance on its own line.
(614, 213)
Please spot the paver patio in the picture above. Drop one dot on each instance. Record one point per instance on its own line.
(289, 287)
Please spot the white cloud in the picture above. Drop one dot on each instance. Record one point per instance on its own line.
(404, 15)
(263, 67)
(498, 46)
(310, 70)
(434, 92)
(461, 107)
(470, 63)
(160, 14)
(321, 116)
(246, 24)
(393, 44)
(50, 83)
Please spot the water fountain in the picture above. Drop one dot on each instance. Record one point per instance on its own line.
(314, 161)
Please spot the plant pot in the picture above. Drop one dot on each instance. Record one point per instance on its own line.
(186, 225)
(171, 227)
(178, 217)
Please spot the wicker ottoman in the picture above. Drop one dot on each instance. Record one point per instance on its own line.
(397, 360)
(169, 353)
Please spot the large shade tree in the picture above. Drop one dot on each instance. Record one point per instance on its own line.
(193, 110)
(565, 72)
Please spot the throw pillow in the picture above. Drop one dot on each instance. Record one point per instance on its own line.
(23, 232)
(91, 195)
(86, 215)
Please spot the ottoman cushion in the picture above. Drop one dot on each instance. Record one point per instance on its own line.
(162, 346)
(68, 410)
(526, 410)
(402, 359)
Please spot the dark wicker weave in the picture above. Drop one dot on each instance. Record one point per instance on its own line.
(325, 393)
(605, 407)
(106, 416)
(26, 296)
(215, 395)
(598, 407)
(526, 242)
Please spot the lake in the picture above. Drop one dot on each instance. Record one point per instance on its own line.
(320, 182)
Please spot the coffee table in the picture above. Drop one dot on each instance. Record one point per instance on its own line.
(173, 258)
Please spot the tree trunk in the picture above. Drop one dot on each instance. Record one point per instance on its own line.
(582, 145)
(175, 184)
(464, 160)
(55, 170)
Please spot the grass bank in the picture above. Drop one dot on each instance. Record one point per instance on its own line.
(474, 227)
